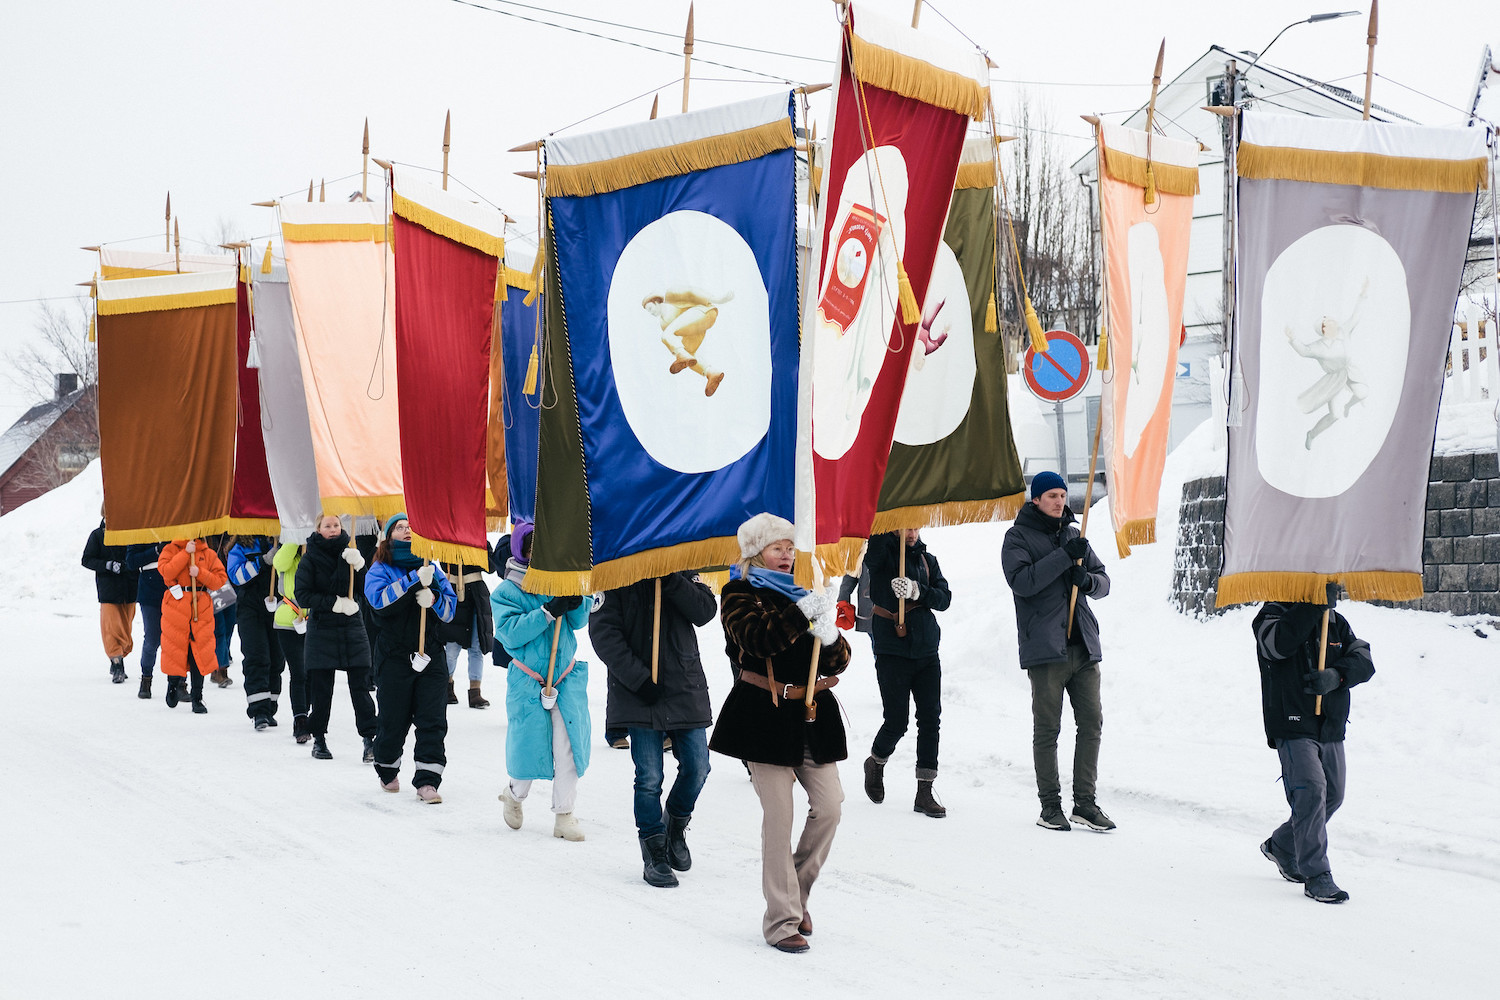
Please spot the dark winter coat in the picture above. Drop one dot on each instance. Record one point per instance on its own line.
(620, 632)
(1286, 643)
(334, 641)
(763, 628)
(922, 633)
(856, 590)
(475, 603)
(114, 580)
(391, 593)
(1036, 567)
(142, 558)
(249, 566)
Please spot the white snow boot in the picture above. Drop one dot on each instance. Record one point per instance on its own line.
(513, 814)
(566, 826)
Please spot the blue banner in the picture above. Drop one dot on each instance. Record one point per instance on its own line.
(520, 332)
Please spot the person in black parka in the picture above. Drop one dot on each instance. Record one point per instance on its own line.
(336, 638)
(116, 584)
(906, 658)
(673, 706)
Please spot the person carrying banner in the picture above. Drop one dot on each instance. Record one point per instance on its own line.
(291, 634)
(412, 598)
(336, 638)
(191, 571)
(546, 692)
(116, 584)
(472, 627)
(657, 691)
(1305, 704)
(773, 629)
(1044, 559)
(905, 642)
(260, 648)
(226, 619)
(148, 594)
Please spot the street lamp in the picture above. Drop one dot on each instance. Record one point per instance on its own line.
(1331, 16)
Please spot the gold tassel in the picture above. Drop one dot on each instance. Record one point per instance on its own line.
(265, 262)
(531, 367)
(1034, 326)
(991, 316)
(536, 281)
(93, 330)
(1150, 185)
(1103, 361)
(910, 311)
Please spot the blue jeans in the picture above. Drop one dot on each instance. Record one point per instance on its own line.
(224, 622)
(690, 747)
(476, 655)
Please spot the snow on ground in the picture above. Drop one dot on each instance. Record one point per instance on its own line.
(153, 853)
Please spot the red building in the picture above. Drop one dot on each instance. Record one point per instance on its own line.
(50, 444)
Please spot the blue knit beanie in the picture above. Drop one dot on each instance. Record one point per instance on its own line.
(392, 523)
(1044, 481)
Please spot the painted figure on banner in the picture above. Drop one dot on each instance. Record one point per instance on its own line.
(1330, 349)
(1149, 337)
(930, 342)
(686, 315)
(940, 384)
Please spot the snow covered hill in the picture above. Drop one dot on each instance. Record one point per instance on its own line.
(153, 853)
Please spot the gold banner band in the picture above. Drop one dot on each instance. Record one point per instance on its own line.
(1170, 178)
(603, 176)
(1247, 588)
(1398, 173)
(918, 80)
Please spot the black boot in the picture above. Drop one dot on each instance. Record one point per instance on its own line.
(117, 671)
(452, 695)
(300, 732)
(320, 749)
(658, 870)
(145, 691)
(677, 849)
(926, 804)
(198, 707)
(875, 779)
(174, 691)
(369, 754)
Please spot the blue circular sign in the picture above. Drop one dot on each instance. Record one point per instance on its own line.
(1061, 372)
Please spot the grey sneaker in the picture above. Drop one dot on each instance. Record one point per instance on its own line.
(1093, 817)
(1322, 888)
(1052, 818)
(1283, 864)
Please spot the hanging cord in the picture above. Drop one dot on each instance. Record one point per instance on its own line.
(1101, 354)
(378, 365)
(1033, 324)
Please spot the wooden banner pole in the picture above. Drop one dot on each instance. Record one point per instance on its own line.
(810, 710)
(1088, 502)
(447, 139)
(1322, 661)
(656, 632)
(364, 183)
(1370, 38)
(687, 59)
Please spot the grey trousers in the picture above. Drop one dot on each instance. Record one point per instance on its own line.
(1312, 774)
(787, 876)
(1080, 679)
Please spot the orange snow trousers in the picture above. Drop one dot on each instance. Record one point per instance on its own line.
(179, 634)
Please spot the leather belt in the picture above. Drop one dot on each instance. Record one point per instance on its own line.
(889, 615)
(785, 692)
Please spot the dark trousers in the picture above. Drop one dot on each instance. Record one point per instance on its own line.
(1312, 774)
(904, 680)
(411, 700)
(151, 645)
(320, 691)
(195, 676)
(690, 747)
(263, 660)
(1080, 679)
(290, 643)
(224, 632)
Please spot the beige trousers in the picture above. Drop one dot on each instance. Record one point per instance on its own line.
(115, 622)
(787, 876)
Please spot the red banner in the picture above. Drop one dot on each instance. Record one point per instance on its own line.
(252, 505)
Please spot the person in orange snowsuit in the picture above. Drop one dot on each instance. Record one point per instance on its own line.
(191, 571)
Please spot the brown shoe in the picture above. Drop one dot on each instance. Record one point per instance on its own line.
(477, 700)
(805, 928)
(452, 695)
(794, 944)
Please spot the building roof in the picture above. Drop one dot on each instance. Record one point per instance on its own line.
(35, 422)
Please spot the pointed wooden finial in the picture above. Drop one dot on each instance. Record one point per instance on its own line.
(90, 249)
(916, 12)
(655, 101)
(382, 164)
(1370, 37)
(364, 182)
(687, 59)
(525, 147)
(263, 204)
(447, 139)
(323, 189)
(530, 175)
(169, 221)
(309, 189)
(813, 88)
(177, 243)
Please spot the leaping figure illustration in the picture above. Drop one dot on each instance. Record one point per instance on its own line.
(928, 340)
(686, 314)
(1330, 349)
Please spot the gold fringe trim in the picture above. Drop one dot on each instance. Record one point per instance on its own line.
(253, 526)
(1377, 585)
(161, 303)
(616, 573)
(975, 175)
(1141, 531)
(449, 552)
(380, 508)
(715, 580)
(802, 570)
(458, 232)
(913, 78)
(109, 272)
(669, 161)
(166, 533)
(519, 279)
(1170, 178)
(333, 232)
(840, 558)
(1399, 173)
(938, 515)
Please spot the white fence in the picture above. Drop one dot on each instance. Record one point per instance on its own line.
(1473, 362)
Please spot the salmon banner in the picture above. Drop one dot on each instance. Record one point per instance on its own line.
(167, 402)
(448, 253)
(1146, 189)
(1352, 239)
(343, 285)
(283, 406)
(901, 106)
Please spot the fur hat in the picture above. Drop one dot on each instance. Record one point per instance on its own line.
(760, 531)
(1044, 481)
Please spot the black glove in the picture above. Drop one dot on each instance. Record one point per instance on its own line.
(559, 606)
(1322, 681)
(1076, 548)
(1079, 577)
(649, 692)
(1332, 599)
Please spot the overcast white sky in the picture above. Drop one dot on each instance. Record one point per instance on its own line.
(108, 104)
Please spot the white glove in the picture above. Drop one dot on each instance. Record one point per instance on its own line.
(425, 574)
(176, 592)
(814, 604)
(424, 597)
(271, 604)
(345, 606)
(826, 628)
(300, 626)
(905, 588)
(353, 558)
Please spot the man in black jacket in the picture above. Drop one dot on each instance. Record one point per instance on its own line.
(116, 585)
(1044, 559)
(1308, 736)
(906, 658)
(674, 704)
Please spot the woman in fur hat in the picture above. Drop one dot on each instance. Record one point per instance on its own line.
(771, 627)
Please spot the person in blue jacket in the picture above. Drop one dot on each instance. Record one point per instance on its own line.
(260, 648)
(405, 592)
(149, 591)
(548, 734)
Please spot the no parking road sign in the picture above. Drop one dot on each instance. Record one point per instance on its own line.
(1061, 373)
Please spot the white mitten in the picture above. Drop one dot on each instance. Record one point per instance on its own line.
(345, 606)
(826, 628)
(300, 626)
(814, 604)
(176, 592)
(425, 574)
(905, 588)
(353, 558)
(271, 604)
(424, 597)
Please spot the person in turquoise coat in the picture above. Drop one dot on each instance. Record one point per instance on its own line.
(548, 736)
